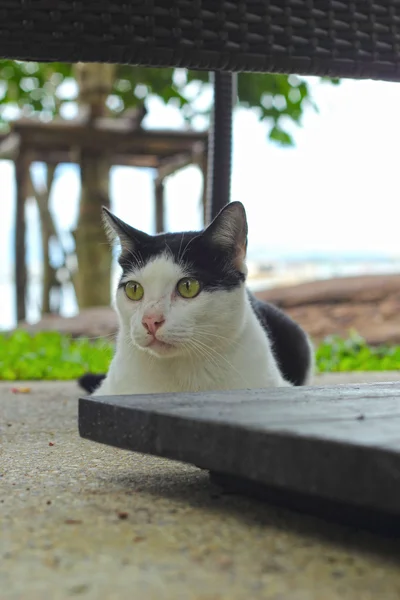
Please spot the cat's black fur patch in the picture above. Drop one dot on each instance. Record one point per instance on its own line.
(213, 256)
(90, 381)
(213, 266)
(290, 345)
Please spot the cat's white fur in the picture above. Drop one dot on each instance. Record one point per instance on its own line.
(218, 341)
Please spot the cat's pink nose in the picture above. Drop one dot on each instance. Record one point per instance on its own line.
(152, 323)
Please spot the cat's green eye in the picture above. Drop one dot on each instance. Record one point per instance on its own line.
(134, 290)
(189, 287)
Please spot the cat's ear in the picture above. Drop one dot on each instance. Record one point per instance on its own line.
(118, 230)
(229, 231)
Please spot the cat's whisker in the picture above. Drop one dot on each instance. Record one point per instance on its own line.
(206, 334)
(220, 341)
(230, 365)
(137, 257)
(201, 353)
(105, 337)
(207, 352)
(186, 248)
(169, 250)
(180, 248)
(192, 350)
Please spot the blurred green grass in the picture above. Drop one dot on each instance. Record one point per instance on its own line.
(354, 354)
(52, 356)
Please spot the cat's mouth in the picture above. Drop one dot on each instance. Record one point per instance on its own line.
(157, 346)
(156, 343)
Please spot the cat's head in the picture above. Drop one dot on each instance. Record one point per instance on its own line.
(182, 293)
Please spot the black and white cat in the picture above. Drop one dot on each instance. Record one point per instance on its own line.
(188, 322)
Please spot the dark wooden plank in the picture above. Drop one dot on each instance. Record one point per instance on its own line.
(20, 267)
(340, 443)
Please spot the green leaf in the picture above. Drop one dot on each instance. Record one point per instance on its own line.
(279, 135)
(34, 87)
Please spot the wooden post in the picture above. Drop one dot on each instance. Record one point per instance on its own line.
(21, 278)
(47, 269)
(204, 169)
(47, 227)
(159, 198)
(92, 282)
(220, 144)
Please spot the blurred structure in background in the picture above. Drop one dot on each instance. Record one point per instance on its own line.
(91, 115)
(95, 145)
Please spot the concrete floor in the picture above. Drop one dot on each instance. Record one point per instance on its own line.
(82, 520)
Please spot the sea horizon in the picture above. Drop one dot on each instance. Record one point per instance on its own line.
(262, 275)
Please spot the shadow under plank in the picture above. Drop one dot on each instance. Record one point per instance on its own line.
(329, 451)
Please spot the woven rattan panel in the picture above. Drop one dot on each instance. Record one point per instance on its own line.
(359, 38)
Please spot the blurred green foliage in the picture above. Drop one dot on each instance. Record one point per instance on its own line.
(40, 89)
(52, 356)
(354, 354)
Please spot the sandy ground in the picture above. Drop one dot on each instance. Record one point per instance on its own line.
(83, 520)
